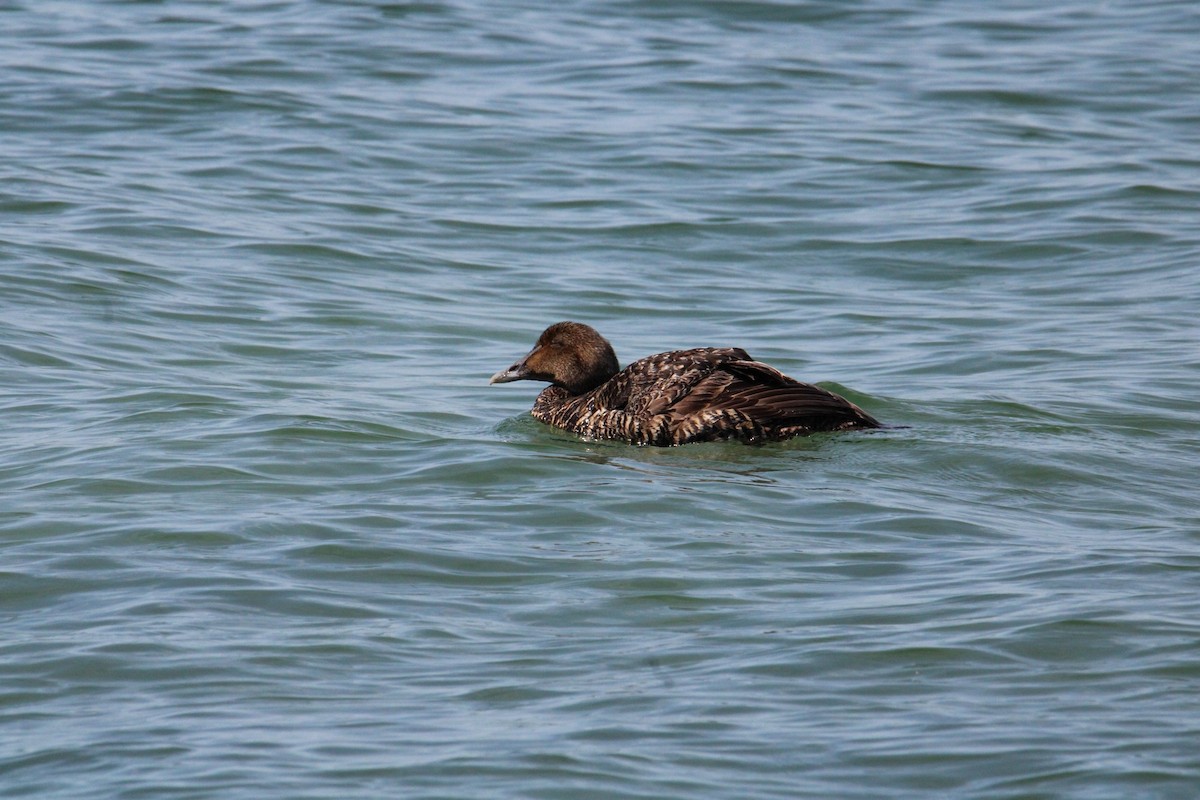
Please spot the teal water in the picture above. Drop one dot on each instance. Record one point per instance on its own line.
(266, 532)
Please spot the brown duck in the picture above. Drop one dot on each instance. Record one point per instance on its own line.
(701, 395)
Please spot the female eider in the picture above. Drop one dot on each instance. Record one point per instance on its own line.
(701, 395)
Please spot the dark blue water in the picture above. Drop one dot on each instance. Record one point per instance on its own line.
(266, 532)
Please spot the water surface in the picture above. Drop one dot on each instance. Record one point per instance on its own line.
(265, 531)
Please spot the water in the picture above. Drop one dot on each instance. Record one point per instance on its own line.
(266, 532)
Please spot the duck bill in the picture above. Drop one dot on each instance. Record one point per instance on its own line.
(517, 372)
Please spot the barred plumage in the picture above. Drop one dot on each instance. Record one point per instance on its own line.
(683, 396)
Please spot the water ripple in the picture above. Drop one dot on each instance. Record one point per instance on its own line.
(267, 531)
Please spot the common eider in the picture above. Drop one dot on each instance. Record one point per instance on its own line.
(701, 395)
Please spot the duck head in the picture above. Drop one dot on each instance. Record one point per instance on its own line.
(567, 354)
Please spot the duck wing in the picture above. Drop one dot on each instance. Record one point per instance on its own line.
(654, 384)
(696, 396)
(749, 400)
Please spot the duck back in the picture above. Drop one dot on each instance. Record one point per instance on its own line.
(699, 395)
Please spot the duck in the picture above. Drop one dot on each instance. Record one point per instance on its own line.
(679, 397)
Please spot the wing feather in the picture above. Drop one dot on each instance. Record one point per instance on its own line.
(744, 394)
(699, 395)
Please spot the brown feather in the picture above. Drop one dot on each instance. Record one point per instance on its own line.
(672, 398)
